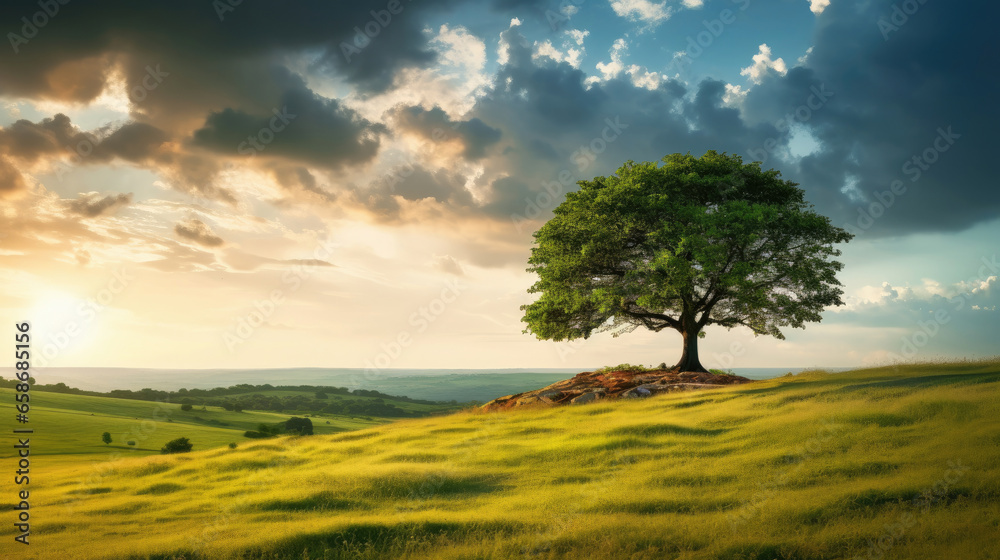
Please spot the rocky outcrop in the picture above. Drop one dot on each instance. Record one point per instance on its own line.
(590, 387)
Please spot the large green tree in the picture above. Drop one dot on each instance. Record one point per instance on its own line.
(683, 245)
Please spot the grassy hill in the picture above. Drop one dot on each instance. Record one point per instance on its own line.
(880, 463)
(68, 425)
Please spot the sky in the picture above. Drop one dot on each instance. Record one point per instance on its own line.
(222, 184)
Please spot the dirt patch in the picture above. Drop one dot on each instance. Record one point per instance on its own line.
(589, 387)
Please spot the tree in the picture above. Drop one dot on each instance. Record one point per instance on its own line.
(688, 244)
(179, 445)
(303, 426)
(186, 407)
(106, 438)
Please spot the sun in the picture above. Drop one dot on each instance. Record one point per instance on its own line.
(62, 324)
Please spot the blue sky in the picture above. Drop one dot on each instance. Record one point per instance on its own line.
(159, 211)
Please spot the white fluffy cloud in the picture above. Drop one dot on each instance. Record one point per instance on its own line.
(763, 64)
(572, 46)
(817, 6)
(650, 13)
(611, 69)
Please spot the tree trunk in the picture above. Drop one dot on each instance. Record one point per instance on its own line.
(689, 359)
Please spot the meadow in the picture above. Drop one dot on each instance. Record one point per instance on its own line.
(893, 462)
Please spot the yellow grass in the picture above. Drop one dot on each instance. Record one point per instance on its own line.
(813, 466)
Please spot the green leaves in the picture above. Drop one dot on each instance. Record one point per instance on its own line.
(682, 245)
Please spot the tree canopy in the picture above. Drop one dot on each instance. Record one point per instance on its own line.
(683, 245)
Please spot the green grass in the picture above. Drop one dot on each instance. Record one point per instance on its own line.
(68, 425)
(813, 466)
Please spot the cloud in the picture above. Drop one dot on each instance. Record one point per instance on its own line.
(92, 204)
(11, 181)
(645, 11)
(891, 96)
(473, 135)
(763, 64)
(448, 264)
(615, 66)
(817, 6)
(303, 127)
(197, 231)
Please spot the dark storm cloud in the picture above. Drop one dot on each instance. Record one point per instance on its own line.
(383, 196)
(903, 87)
(132, 142)
(303, 127)
(29, 142)
(215, 41)
(92, 205)
(197, 231)
(558, 130)
(475, 135)
(56, 138)
(11, 181)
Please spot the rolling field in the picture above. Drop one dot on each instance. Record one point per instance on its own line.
(879, 463)
(68, 426)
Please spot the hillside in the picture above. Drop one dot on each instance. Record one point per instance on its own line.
(69, 425)
(880, 463)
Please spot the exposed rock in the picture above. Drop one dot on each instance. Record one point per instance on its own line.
(591, 387)
(585, 398)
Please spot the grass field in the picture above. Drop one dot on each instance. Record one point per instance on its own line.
(68, 426)
(880, 463)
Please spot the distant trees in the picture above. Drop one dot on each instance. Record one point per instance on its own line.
(301, 426)
(321, 395)
(179, 445)
(262, 431)
(106, 438)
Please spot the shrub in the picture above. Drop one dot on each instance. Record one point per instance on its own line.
(301, 426)
(722, 372)
(186, 407)
(232, 445)
(179, 445)
(106, 437)
(130, 442)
